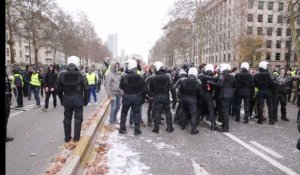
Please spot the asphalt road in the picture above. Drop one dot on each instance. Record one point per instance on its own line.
(250, 149)
(37, 133)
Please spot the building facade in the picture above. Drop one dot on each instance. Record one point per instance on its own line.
(112, 44)
(226, 21)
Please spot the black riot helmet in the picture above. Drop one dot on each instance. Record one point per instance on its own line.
(186, 66)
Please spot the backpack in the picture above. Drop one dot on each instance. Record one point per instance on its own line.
(18, 81)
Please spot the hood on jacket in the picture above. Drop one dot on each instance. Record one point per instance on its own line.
(113, 66)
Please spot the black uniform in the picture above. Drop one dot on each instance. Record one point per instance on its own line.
(207, 95)
(244, 90)
(160, 86)
(282, 90)
(132, 84)
(264, 82)
(226, 83)
(189, 89)
(8, 96)
(73, 92)
(148, 78)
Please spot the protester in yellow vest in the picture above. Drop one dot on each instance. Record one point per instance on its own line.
(17, 79)
(92, 79)
(35, 84)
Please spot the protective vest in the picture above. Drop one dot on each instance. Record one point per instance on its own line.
(35, 80)
(262, 80)
(293, 73)
(243, 80)
(228, 88)
(161, 84)
(133, 83)
(71, 81)
(189, 87)
(91, 78)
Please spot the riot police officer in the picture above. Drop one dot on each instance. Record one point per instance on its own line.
(207, 94)
(73, 91)
(160, 86)
(226, 82)
(264, 82)
(189, 89)
(133, 85)
(244, 90)
(8, 96)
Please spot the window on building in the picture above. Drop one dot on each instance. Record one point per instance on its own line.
(269, 31)
(228, 57)
(20, 44)
(7, 51)
(268, 56)
(27, 49)
(280, 6)
(259, 30)
(287, 56)
(260, 18)
(20, 53)
(270, 18)
(14, 52)
(298, 19)
(279, 31)
(260, 5)
(250, 4)
(250, 17)
(277, 57)
(278, 44)
(27, 58)
(269, 43)
(270, 5)
(288, 44)
(288, 32)
(279, 19)
(224, 58)
(249, 30)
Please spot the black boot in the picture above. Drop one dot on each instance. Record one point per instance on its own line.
(77, 130)
(122, 131)
(137, 132)
(213, 128)
(170, 129)
(285, 119)
(194, 131)
(67, 128)
(8, 139)
(223, 129)
(237, 119)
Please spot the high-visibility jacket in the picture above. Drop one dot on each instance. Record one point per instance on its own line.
(35, 79)
(91, 77)
(18, 75)
(293, 73)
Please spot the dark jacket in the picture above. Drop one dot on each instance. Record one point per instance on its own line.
(51, 79)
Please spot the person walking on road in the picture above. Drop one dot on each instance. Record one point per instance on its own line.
(113, 91)
(92, 79)
(35, 83)
(50, 84)
(73, 92)
(19, 83)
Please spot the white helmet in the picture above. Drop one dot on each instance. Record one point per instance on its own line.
(224, 67)
(131, 64)
(209, 67)
(245, 65)
(193, 71)
(158, 65)
(263, 64)
(75, 60)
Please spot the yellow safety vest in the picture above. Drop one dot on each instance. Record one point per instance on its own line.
(18, 75)
(293, 73)
(35, 80)
(91, 78)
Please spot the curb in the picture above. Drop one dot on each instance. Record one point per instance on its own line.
(82, 152)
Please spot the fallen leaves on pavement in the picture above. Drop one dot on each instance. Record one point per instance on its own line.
(70, 145)
(99, 166)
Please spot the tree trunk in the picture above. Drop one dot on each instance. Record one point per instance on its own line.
(294, 34)
(54, 56)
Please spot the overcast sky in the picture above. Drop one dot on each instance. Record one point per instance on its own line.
(138, 23)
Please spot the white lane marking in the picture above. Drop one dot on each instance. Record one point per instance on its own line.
(262, 155)
(198, 169)
(267, 150)
(27, 109)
